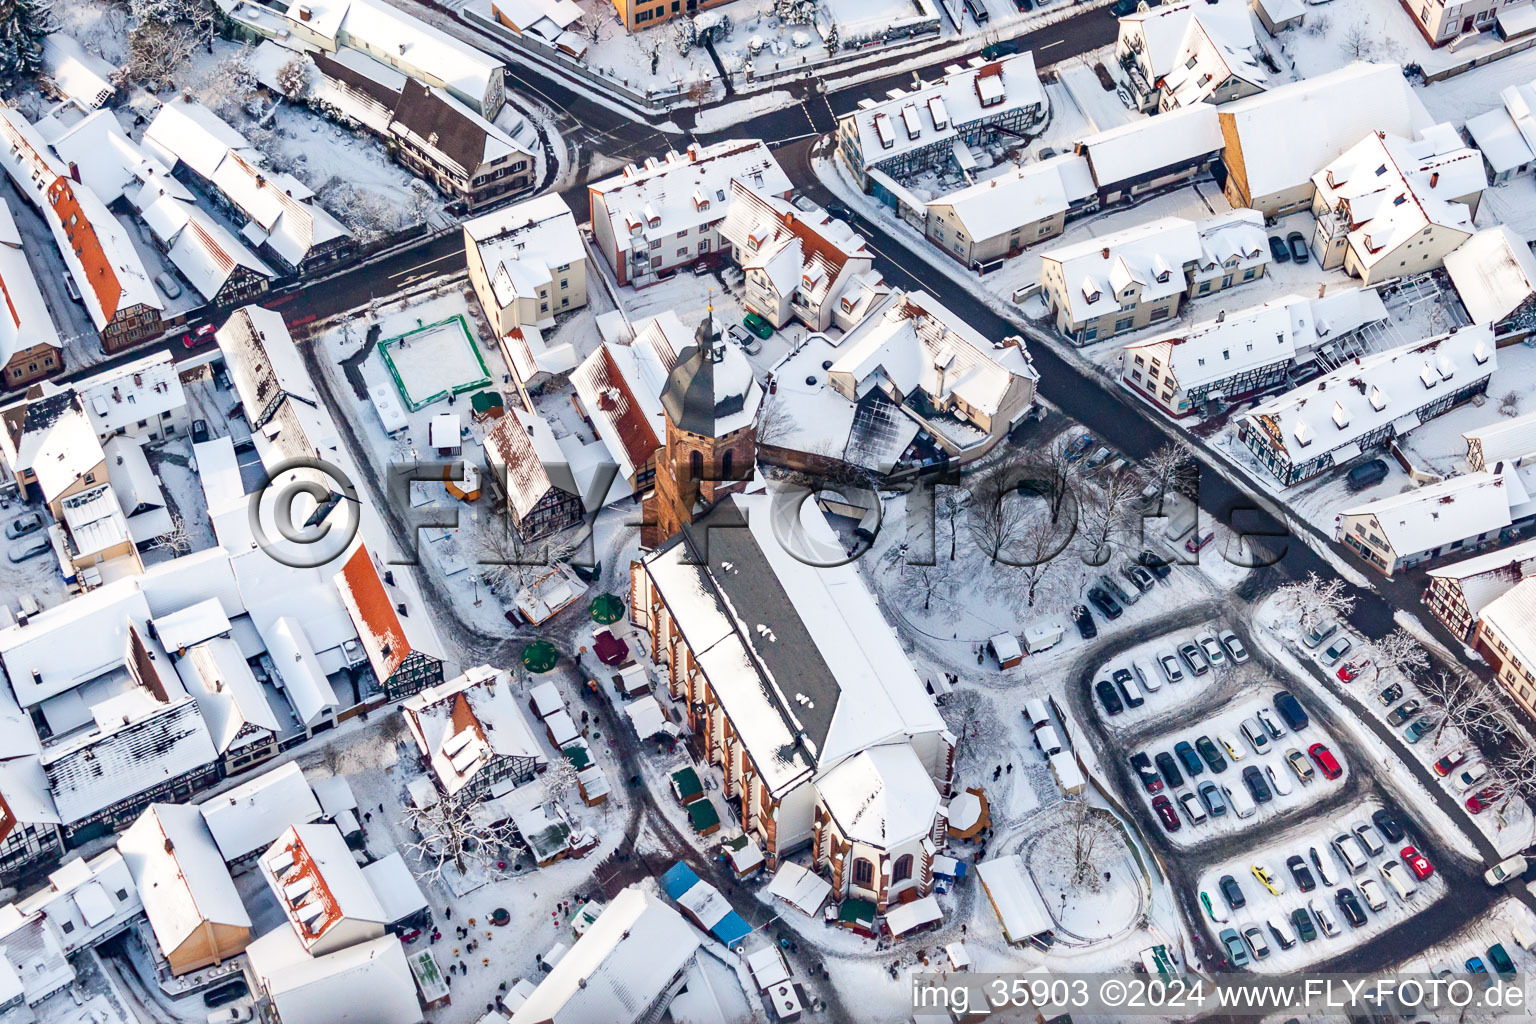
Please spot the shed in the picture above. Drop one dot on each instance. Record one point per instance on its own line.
(1016, 898)
(646, 716)
(804, 890)
(686, 785)
(959, 956)
(593, 785)
(1069, 777)
(857, 915)
(909, 917)
(1279, 15)
(745, 855)
(445, 433)
(1005, 648)
(633, 679)
(544, 700)
(704, 818)
(561, 729)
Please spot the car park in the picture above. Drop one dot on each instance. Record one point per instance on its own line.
(1129, 691)
(1404, 711)
(1417, 862)
(1300, 765)
(1298, 246)
(1323, 917)
(1169, 769)
(1387, 825)
(1367, 837)
(1390, 695)
(1254, 733)
(1150, 681)
(1192, 656)
(1278, 250)
(1214, 653)
(1237, 953)
(1336, 650)
(1349, 905)
(1140, 576)
(1318, 633)
(1347, 848)
(1155, 564)
(1498, 956)
(29, 547)
(1397, 877)
(1254, 936)
(1108, 698)
(1291, 711)
(1306, 931)
(1215, 803)
(1192, 808)
(1082, 618)
(1268, 879)
(1211, 755)
(1169, 665)
(1106, 605)
(1267, 720)
(1150, 780)
(1279, 780)
(1450, 762)
(27, 522)
(1164, 808)
(1235, 649)
(1469, 777)
(1321, 865)
(1191, 761)
(1253, 778)
(1326, 762)
(1231, 892)
(1373, 894)
(1299, 873)
(1280, 932)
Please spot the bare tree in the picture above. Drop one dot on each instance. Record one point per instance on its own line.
(1315, 600)
(1109, 513)
(392, 729)
(228, 86)
(952, 504)
(178, 539)
(650, 45)
(998, 513)
(592, 19)
(1514, 775)
(1089, 828)
(774, 422)
(1357, 41)
(1465, 702)
(508, 561)
(457, 834)
(421, 204)
(931, 581)
(1172, 468)
(156, 53)
(559, 780)
(1397, 651)
(684, 35)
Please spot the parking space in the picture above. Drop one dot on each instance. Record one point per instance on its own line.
(1506, 936)
(1161, 679)
(1306, 875)
(1233, 771)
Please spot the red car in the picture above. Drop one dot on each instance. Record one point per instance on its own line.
(1450, 762)
(195, 338)
(1164, 808)
(1416, 862)
(1352, 670)
(1326, 762)
(1479, 802)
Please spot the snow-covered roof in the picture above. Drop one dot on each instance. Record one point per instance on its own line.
(710, 390)
(317, 882)
(191, 625)
(264, 364)
(1214, 50)
(936, 111)
(24, 317)
(395, 886)
(110, 163)
(1494, 273)
(1096, 271)
(1165, 30)
(1286, 134)
(1507, 135)
(58, 445)
(1015, 897)
(303, 678)
(619, 968)
(522, 451)
(1385, 190)
(180, 874)
(383, 28)
(521, 245)
(373, 614)
(1483, 577)
(457, 136)
(216, 674)
(1451, 510)
(200, 247)
(143, 389)
(24, 794)
(251, 816)
(1503, 440)
(369, 983)
(77, 73)
(189, 133)
(1390, 387)
(684, 190)
(1148, 144)
(624, 406)
(799, 250)
(1513, 616)
(137, 488)
(463, 725)
(73, 642)
(884, 796)
(1028, 193)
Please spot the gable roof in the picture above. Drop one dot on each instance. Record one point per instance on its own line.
(252, 815)
(442, 123)
(24, 317)
(317, 882)
(463, 724)
(378, 627)
(1152, 254)
(1453, 509)
(882, 796)
(522, 448)
(180, 874)
(1494, 273)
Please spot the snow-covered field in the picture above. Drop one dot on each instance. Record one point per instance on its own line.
(1262, 905)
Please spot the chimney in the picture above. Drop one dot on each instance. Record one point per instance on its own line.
(1104, 253)
(1434, 179)
(304, 12)
(37, 678)
(170, 847)
(74, 171)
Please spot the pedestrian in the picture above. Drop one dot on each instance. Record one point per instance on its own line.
(464, 967)
(448, 913)
(381, 808)
(978, 656)
(367, 816)
(1010, 769)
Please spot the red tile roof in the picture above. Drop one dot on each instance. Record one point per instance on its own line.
(378, 627)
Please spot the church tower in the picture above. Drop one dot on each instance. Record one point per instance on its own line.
(711, 402)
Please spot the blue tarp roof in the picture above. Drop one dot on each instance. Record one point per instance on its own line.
(678, 879)
(731, 929)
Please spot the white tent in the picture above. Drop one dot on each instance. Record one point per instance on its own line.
(908, 916)
(647, 716)
(801, 889)
(1015, 897)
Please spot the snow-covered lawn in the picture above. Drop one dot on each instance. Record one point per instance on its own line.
(1263, 905)
(1496, 926)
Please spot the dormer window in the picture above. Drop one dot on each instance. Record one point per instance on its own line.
(1428, 376)
(1162, 278)
(1303, 433)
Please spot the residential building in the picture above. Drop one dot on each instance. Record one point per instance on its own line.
(114, 286)
(1440, 22)
(473, 735)
(1179, 54)
(1243, 352)
(275, 210)
(550, 21)
(29, 822)
(1505, 641)
(1277, 140)
(1136, 277)
(194, 911)
(1494, 274)
(30, 346)
(1390, 207)
(1001, 217)
(72, 72)
(856, 735)
(1367, 403)
(1511, 441)
(529, 466)
(250, 817)
(1458, 593)
(1152, 153)
(217, 264)
(233, 703)
(142, 401)
(527, 264)
(321, 889)
(1506, 135)
(651, 221)
(369, 983)
(635, 15)
(86, 902)
(925, 127)
(463, 154)
(52, 448)
(797, 263)
(383, 32)
(1457, 515)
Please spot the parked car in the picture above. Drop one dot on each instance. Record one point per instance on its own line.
(1322, 866)
(1253, 778)
(1280, 932)
(1254, 936)
(1170, 769)
(749, 342)
(1352, 670)
(1299, 873)
(1450, 762)
(1278, 249)
(1257, 738)
(1336, 650)
(1387, 825)
(1211, 755)
(1404, 711)
(1199, 541)
(225, 993)
(1302, 922)
(1390, 695)
(1291, 710)
(1212, 649)
(1373, 894)
(1214, 910)
(1347, 848)
(1098, 458)
(1397, 877)
(1279, 780)
(1141, 576)
(192, 339)
(27, 522)
(1082, 618)
(1215, 803)
(1231, 892)
(1228, 744)
(199, 431)
(1104, 603)
(1417, 862)
(1169, 666)
(1506, 869)
(1469, 777)
(1237, 953)
(840, 211)
(1078, 446)
(1298, 244)
(1367, 836)
(757, 325)
(1498, 956)
(1268, 879)
(1108, 697)
(1186, 754)
(1474, 965)
(1480, 801)
(1318, 633)
(1002, 48)
(29, 547)
(1193, 657)
(1349, 905)
(236, 1014)
(1129, 691)
(1420, 727)
(1272, 727)
(1326, 762)
(1150, 780)
(1164, 808)
(1155, 564)
(1150, 681)
(1300, 765)
(1126, 596)
(72, 289)
(1324, 918)
(1367, 474)
(1192, 809)
(1235, 649)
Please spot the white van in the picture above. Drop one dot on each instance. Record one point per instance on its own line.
(1323, 868)
(1347, 848)
(1397, 877)
(1240, 802)
(1149, 680)
(1525, 936)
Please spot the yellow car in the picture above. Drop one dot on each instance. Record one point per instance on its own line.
(1268, 880)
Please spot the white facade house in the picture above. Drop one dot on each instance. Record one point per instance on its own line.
(1458, 593)
(30, 346)
(527, 263)
(1179, 54)
(1506, 639)
(1506, 135)
(1002, 216)
(368, 983)
(1511, 441)
(1367, 402)
(1494, 273)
